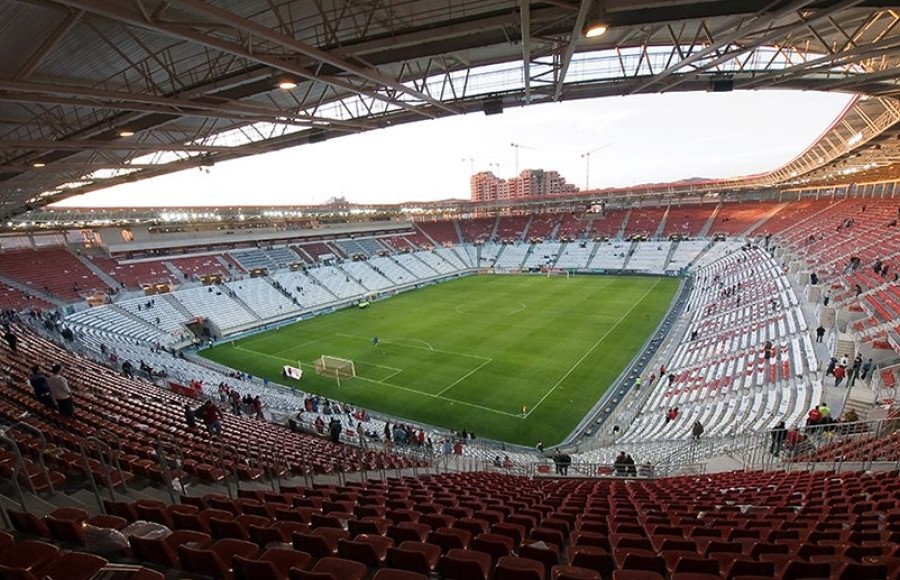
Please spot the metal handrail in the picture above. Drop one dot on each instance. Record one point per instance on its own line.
(19, 468)
(221, 465)
(90, 443)
(40, 455)
(114, 457)
(164, 466)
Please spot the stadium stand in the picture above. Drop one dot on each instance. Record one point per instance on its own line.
(194, 266)
(512, 256)
(415, 266)
(400, 243)
(610, 255)
(51, 270)
(543, 226)
(337, 282)
(365, 275)
(15, 299)
(575, 254)
(735, 219)
(687, 221)
(442, 232)
(477, 229)
(308, 291)
(156, 310)
(644, 222)
(361, 247)
(512, 228)
(133, 274)
(391, 270)
(218, 305)
(685, 253)
(649, 257)
(262, 298)
(316, 250)
(112, 320)
(252, 259)
(572, 225)
(607, 224)
(283, 256)
(543, 254)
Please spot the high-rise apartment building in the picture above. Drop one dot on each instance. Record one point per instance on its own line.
(485, 186)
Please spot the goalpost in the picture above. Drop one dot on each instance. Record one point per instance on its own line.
(335, 368)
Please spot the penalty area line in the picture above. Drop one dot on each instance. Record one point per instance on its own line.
(433, 396)
(590, 350)
(465, 376)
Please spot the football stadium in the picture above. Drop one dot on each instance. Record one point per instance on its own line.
(356, 363)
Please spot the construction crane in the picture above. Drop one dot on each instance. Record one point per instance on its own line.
(518, 146)
(587, 164)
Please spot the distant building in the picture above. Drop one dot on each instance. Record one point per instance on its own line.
(485, 186)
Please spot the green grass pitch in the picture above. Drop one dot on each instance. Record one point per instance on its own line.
(471, 353)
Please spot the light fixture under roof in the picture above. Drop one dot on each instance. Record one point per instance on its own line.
(597, 24)
(287, 84)
(126, 133)
(595, 28)
(38, 164)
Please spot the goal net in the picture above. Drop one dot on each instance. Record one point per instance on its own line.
(335, 368)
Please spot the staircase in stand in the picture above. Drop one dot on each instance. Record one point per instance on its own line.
(98, 272)
(704, 231)
(620, 233)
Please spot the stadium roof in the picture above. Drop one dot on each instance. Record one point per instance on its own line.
(99, 92)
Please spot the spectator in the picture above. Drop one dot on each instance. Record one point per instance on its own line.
(211, 418)
(866, 369)
(540, 446)
(851, 416)
(41, 388)
(257, 408)
(697, 430)
(620, 467)
(127, 370)
(557, 461)
(60, 391)
(820, 333)
(564, 462)
(189, 416)
(779, 433)
(839, 374)
(630, 467)
(10, 337)
(334, 429)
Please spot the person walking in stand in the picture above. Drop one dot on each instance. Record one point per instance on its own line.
(41, 388)
(60, 391)
(820, 333)
(697, 430)
(779, 434)
(839, 373)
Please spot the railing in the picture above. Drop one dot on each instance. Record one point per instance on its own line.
(221, 464)
(40, 453)
(18, 468)
(838, 447)
(98, 445)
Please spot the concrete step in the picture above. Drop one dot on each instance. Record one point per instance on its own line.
(33, 504)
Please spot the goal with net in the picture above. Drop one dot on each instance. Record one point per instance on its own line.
(335, 368)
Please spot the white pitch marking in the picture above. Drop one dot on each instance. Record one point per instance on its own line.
(590, 350)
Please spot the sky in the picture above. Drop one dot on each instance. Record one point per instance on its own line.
(634, 140)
